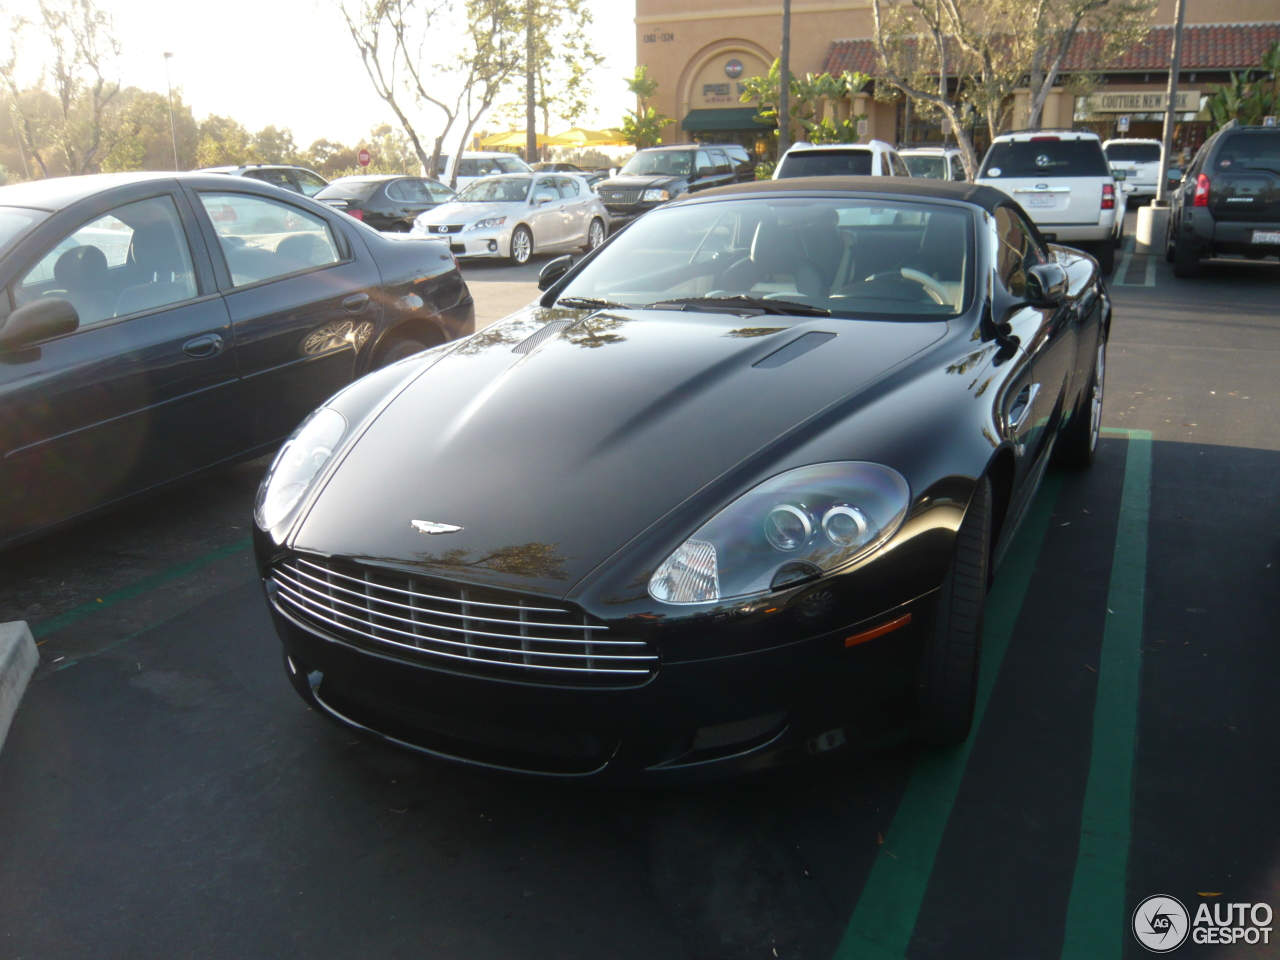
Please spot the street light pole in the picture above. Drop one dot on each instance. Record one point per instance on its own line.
(784, 83)
(173, 128)
(1175, 65)
(530, 91)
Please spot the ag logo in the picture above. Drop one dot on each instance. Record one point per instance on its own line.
(1161, 923)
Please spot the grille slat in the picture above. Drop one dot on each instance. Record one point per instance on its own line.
(352, 603)
(616, 195)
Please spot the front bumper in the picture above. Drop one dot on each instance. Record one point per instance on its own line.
(475, 244)
(695, 720)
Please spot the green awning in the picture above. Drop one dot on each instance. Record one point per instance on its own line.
(727, 118)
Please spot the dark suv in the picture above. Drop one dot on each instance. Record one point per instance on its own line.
(1228, 201)
(658, 174)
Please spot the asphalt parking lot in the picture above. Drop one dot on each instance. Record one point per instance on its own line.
(164, 793)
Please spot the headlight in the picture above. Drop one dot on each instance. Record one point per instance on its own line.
(489, 224)
(297, 464)
(798, 525)
(650, 195)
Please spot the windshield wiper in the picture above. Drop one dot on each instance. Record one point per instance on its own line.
(776, 307)
(591, 303)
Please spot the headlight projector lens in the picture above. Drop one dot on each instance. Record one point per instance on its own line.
(787, 528)
(845, 526)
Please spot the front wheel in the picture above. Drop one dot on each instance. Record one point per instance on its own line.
(595, 235)
(1078, 444)
(399, 350)
(521, 246)
(948, 684)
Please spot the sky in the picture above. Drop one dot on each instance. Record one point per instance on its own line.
(292, 64)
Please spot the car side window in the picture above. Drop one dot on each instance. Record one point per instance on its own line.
(309, 182)
(132, 259)
(1017, 251)
(546, 188)
(568, 188)
(722, 161)
(899, 166)
(396, 191)
(277, 178)
(415, 191)
(705, 165)
(468, 168)
(262, 239)
(957, 169)
(438, 191)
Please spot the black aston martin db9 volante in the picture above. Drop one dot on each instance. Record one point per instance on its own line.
(729, 495)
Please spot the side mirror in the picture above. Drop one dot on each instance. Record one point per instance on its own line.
(1046, 284)
(1173, 174)
(542, 198)
(553, 271)
(38, 320)
(1119, 176)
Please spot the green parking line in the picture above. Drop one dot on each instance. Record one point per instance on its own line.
(1097, 911)
(76, 614)
(885, 916)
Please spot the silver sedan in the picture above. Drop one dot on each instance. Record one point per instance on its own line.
(517, 215)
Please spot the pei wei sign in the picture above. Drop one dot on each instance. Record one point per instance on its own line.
(1143, 101)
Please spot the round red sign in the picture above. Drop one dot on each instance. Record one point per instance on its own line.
(363, 157)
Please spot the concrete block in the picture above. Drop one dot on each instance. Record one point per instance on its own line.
(1153, 226)
(18, 661)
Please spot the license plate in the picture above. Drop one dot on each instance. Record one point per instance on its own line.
(1041, 200)
(1266, 236)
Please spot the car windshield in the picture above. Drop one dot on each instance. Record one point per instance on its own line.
(931, 167)
(349, 190)
(826, 163)
(858, 258)
(672, 163)
(1250, 151)
(16, 223)
(1045, 157)
(1133, 152)
(496, 190)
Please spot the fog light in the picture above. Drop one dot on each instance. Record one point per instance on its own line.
(493, 246)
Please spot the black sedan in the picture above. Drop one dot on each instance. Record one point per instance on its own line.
(387, 203)
(155, 325)
(730, 495)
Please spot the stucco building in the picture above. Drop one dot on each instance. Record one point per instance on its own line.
(700, 50)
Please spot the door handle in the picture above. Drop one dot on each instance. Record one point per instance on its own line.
(1022, 406)
(355, 303)
(209, 345)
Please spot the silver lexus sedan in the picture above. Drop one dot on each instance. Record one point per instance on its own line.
(517, 215)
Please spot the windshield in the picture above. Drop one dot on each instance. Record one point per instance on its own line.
(857, 258)
(496, 190)
(1045, 157)
(1250, 151)
(510, 164)
(349, 190)
(16, 223)
(934, 168)
(1133, 152)
(671, 163)
(826, 163)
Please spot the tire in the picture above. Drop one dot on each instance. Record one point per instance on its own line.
(1186, 260)
(1077, 445)
(596, 235)
(521, 246)
(1105, 252)
(399, 350)
(948, 682)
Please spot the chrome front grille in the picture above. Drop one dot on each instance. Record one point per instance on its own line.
(469, 630)
(615, 195)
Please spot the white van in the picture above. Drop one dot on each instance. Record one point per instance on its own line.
(1140, 161)
(1063, 181)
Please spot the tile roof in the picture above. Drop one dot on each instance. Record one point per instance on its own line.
(1232, 46)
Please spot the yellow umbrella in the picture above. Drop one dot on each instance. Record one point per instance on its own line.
(517, 138)
(582, 137)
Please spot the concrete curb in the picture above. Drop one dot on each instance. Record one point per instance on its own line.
(18, 661)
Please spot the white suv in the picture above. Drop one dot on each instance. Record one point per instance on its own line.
(874, 159)
(1140, 161)
(934, 163)
(1062, 179)
(479, 164)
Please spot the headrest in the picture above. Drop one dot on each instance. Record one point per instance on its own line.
(153, 247)
(80, 267)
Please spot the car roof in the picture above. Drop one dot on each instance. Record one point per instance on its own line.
(375, 177)
(912, 188)
(1021, 136)
(677, 146)
(838, 147)
(1107, 143)
(927, 151)
(57, 193)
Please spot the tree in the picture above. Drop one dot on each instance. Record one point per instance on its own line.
(643, 127)
(272, 145)
(806, 102)
(147, 145)
(223, 142)
(1053, 26)
(563, 58)
(80, 71)
(1248, 102)
(494, 55)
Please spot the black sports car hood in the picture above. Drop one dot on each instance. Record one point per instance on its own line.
(556, 436)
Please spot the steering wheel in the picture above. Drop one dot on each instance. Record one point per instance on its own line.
(935, 290)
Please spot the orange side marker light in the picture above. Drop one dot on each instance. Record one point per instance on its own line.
(879, 631)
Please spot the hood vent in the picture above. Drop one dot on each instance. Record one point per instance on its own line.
(796, 348)
(536, 339)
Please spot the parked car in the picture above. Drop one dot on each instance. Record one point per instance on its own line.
(657, 175)
(874, 159)
(519, 215)
(1063, 181)
(385, 202)
(475, 165)
(1140, 160)
(934, 163)
(286, 177)
(1228, 201)
(728, 496)
(151, 328)
(556, 166)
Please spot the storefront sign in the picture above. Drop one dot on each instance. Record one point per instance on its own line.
(1143, 101)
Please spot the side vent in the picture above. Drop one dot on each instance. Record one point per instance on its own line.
(796, 348)
(536, 339)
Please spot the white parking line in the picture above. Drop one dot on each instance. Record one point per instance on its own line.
(1149, 280)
